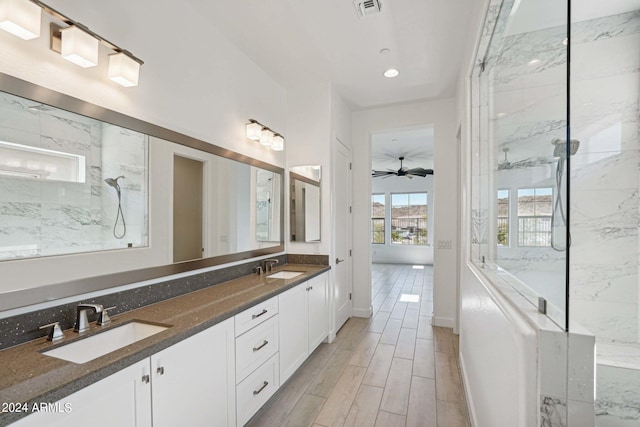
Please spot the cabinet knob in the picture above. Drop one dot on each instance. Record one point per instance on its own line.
(160, 370)
(146, 379)
(262, 387)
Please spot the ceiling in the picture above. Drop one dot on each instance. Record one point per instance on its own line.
(327, 40)
(414, 144)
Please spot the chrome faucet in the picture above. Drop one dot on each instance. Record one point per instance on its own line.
(82, 323)
(268, 264)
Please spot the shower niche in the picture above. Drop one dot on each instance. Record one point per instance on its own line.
(68, 183)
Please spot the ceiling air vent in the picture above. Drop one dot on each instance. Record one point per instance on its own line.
(367, 7)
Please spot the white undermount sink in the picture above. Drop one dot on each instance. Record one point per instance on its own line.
(284, 274)
(102, 343)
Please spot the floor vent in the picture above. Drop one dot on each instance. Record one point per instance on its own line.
(367, 7)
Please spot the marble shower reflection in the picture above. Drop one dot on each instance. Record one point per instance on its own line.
(42, 215)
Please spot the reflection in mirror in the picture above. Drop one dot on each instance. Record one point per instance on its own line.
(304, 204)
(267, 206)
(68, 183)
(82, 184)
(220, 206)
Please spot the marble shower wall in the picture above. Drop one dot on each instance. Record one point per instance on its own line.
(605, 111)
(519, 100)
(42, 217)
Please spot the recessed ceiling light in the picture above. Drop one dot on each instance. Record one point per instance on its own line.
(384, 51)
(391, 72)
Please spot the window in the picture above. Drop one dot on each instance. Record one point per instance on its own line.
(534, 216)
(503, 218)
(409, 219)
(377, 218)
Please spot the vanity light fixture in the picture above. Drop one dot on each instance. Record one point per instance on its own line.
(278, 143)
(123, 69)
(256, 131)
(266, 137)
(79, 47)
(74, 41)
(20, 18)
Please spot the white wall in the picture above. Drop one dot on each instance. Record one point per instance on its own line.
(441, 115)
(498, 358)
(308, 143)
(404, 254)
(193, 81)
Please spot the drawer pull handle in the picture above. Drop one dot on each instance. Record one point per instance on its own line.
(259, 314)
(261, 345)
(146, 379)
(160, 370)
(262, 387)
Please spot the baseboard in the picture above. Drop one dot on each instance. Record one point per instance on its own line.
(362, 312)
(445, 322)
(465, 385)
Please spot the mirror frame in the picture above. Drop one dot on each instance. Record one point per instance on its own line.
(296, 176)
(20, 298)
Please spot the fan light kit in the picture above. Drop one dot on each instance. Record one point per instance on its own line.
(75, 42)
(403, 171)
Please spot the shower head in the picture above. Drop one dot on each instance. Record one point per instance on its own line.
(114, 182)
(560, 147)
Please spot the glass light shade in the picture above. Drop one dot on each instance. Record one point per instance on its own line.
(20, 18)
(266, 137)
(123, 70)
(278, 143)
(254, 131)
(79, 47)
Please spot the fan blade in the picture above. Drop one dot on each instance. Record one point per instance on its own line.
(420, 172)
(381, 173)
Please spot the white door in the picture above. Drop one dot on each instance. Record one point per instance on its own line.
(317, 293)
(122, 399)
(193, 381)
(342, 236)
(293, 330)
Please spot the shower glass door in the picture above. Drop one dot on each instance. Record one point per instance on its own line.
(520, 152)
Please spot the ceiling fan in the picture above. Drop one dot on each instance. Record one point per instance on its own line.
(403, 171)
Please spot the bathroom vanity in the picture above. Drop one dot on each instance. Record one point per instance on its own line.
(225, 352)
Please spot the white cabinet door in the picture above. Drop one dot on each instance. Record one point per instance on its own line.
(122, 399)
(194, 380)
(317, 299)
(292, 306)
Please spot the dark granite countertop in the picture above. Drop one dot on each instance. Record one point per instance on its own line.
(27, 376)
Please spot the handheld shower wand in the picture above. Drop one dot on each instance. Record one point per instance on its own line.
(561, 150)
(114, 183)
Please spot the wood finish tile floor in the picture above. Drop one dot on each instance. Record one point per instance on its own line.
(394, 369)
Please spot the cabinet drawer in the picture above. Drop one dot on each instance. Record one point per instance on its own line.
(256, 315)
(256, 389)
(254, 347)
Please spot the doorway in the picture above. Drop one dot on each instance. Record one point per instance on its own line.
(187, 208)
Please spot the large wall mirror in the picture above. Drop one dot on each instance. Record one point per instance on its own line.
(304, 203)
(79, 179)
